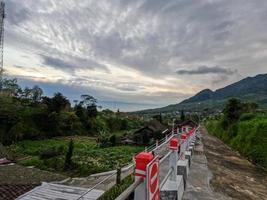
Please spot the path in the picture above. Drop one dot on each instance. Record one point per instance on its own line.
(198, 183)
(230, 176)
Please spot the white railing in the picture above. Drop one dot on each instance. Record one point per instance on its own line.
(132, 187)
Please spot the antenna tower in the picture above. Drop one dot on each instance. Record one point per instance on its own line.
(2, 16)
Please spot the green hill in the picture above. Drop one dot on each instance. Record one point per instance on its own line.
(248, 89)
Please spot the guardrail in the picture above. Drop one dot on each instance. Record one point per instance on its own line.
(89, 190)
(166, 178)
(132, 187)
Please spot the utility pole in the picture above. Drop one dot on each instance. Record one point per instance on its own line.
(2, 17)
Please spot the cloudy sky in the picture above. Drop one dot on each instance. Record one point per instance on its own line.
(134, 54)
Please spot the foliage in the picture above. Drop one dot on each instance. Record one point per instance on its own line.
(26, 114)
(56, 103)
(247, 116)
(68, 157)
(51, 152)
(112, 140)
(182, 116)
(87, 156)
(116, 190)
(232, 110)
(104, 139)
(247, 134)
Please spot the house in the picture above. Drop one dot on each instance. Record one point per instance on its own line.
(127, 141)
(152, 130)
(185, 126)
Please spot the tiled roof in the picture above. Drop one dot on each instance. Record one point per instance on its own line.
(10, 192)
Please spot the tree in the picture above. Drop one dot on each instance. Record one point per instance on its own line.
(158, 117)
(182, 116)
(56, 103)
(26, 93)
(37, 93)
(80, 112)
(124, 124)
(75, 102)
(68, 157)
(112, 140)
(103, 139)
(232, 111)
(250, 107)
(89, 102)
(11, 87)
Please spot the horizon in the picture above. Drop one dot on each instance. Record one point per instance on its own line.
(134, 55)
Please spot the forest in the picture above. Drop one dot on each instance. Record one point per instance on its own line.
(28, 114)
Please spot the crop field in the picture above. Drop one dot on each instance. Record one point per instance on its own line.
(88, 157)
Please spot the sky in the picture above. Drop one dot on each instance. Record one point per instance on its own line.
(134, 54)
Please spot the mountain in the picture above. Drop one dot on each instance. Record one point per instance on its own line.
(249, 89)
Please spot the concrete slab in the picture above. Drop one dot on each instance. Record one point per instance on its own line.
(197, 185)
(183, 168)
(188, 156)
(191, 149)
(173, 190)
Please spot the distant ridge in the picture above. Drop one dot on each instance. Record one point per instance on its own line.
(248, 89)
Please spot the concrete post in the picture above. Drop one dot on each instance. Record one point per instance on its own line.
(173, 158)
(140, 191)
(183, 146)
(118, 177)
(141, 161)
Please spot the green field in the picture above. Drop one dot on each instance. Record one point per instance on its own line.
(88, 157)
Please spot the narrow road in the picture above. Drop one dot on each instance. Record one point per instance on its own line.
(232, 174)
(198, 186)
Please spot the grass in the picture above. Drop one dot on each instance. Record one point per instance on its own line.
(116, 190)
(88, 157)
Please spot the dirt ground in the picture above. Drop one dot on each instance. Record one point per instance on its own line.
(233, 175)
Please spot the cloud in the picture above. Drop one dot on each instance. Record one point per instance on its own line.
(56, 62)
(206, 70)
(19, 12)
(72, 63)
(104, 41)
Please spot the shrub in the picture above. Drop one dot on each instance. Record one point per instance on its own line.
(246, 116)
(103, 139)
(34, 161)
(51, 152)
(68, 157)
(112, 140)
